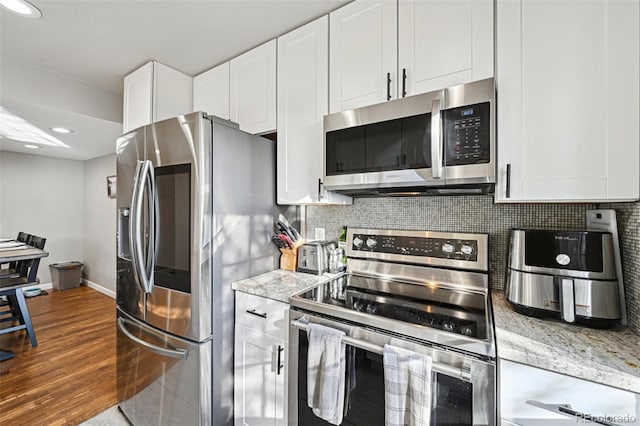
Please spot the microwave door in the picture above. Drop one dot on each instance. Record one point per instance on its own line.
(130, 156)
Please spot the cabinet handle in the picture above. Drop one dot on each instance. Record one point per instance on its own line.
(404, 159)
(508, 189)
(319, 189)
(258, 314)
(567, 410)
(388, 86)
(341, 167)
(404, 82)
(337, 167)
(398, 159)
(280, 365)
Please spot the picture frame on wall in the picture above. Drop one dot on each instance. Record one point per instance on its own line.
(111, 186)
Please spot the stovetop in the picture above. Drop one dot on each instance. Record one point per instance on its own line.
(443, 306)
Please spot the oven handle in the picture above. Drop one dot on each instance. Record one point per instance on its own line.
(463, 373)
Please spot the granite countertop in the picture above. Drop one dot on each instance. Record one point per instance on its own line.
(280, 284)
(610, 357)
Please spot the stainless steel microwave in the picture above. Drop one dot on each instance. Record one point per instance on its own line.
(441, 142)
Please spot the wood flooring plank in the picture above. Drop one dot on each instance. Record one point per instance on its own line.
(71, 375)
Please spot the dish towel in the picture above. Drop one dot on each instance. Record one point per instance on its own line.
(326, 372)
(407, 387)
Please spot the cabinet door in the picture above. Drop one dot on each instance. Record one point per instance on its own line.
(172, 92)
(258, 379)
(303, 100)
(567, 79)
(443, 43)
(211, 91)
(138, 98)
(253, 89)
(363, 50)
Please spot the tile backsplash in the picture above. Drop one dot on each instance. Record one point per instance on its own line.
(479, 214)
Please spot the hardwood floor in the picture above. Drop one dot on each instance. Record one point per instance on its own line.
(71, 375)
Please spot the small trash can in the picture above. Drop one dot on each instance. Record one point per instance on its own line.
(66, 275)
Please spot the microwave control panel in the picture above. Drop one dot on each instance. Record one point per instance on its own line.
(467, 135)
(443, 248)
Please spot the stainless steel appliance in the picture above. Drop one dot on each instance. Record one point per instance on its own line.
(424, 291)
(196, 207)
(564, 274)
(440, 142)
(313, 257)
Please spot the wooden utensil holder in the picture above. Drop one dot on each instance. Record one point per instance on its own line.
(289, 258)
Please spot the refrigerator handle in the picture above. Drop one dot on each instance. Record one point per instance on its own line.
(140, 261)
(152, 248)
(134, 224)
(173, 353)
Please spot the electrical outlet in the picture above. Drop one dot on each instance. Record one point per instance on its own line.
(318, 234)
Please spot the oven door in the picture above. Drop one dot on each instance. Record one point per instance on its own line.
(456, 401)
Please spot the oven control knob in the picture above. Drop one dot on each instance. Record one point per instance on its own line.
(448, 326)
(357, 242)
(466, 249)
(448, 248)
(371, 243)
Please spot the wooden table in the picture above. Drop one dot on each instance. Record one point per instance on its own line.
(12, 287)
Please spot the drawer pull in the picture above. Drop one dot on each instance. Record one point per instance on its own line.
(258, 314)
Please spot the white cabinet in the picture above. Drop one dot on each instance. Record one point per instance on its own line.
(529, 395)
(363, 54)
(211, 91)
(253, 89)
(155, 92)
(303, 98)
(443, 44)
(567, 80)
(385, 49)
(260, 352)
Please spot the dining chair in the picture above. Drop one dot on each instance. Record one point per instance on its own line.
(11, 271)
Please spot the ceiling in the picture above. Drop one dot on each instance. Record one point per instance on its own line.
(98, 42)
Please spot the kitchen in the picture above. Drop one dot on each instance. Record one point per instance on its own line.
(586, 174)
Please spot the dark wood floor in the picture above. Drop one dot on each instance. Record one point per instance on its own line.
(71, 375)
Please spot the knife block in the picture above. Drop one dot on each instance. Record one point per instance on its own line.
(289, 258)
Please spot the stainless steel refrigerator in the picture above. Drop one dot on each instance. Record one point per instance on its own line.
(196, 207)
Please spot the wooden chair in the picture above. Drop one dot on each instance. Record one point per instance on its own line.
(11, 272)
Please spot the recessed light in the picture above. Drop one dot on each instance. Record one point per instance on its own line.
(60, 129)
(32, 146)
(22, 8)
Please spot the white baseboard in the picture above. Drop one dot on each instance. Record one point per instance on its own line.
(98, 287)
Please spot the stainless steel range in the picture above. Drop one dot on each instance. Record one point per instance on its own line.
(424, 291)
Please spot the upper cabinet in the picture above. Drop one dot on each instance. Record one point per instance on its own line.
(253, 89)
(567, 79)
(211, 91)
(303, 100)
(155, 92)
(384, 50)
(443, 44)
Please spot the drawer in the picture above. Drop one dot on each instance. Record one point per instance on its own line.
(261, 314)
(528, 394)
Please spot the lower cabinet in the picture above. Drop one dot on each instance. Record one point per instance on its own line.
(260, 350)
(531, 396)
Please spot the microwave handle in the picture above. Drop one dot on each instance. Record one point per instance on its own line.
(436, 139)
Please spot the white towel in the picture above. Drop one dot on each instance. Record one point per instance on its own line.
(326, 372)
(407, 387)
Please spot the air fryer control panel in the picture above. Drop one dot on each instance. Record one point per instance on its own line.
(467, 135)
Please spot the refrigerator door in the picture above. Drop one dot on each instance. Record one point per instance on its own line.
(162, 379)
(130, 151)
(179, 300)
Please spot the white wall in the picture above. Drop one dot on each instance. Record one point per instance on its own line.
(99, 223)
(43, 196)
